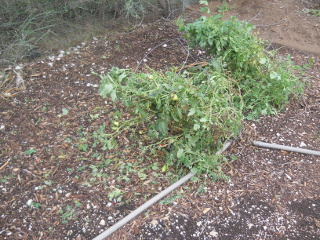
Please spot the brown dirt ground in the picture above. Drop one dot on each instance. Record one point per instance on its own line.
(272, 194)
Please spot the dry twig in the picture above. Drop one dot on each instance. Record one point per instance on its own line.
(5, 164)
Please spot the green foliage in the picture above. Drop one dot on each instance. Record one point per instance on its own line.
(224, 7)
(100, 137)
(192, 113)
(35, 205)
(116, 194)
(189, 113)
(65, 111)
(30, 151)
(70, 213)
(265, 82)
(230, 41)
(314, 12)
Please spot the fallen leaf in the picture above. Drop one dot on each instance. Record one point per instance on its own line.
(206, 210)
(316, 222)
(154, 222)
(36, 75)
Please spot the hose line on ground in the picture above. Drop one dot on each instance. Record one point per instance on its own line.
(153, 200)
(286, 148)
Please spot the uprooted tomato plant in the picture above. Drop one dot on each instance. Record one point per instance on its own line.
(192, 112)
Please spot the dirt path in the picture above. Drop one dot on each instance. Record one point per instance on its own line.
(52, 187)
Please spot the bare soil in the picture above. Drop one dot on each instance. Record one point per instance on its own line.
(271, 194)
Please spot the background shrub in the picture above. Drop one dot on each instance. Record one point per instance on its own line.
(27, 28)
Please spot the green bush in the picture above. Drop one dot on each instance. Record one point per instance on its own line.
(22, 27)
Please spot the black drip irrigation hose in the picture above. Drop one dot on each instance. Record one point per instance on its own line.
(153, 200)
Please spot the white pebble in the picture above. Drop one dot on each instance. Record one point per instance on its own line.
(302, 144)
(214, 233)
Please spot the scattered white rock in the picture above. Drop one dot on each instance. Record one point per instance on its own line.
(288, 176)
(154, 222)
(250, 225)
(214, 233)
(102, 222)
(302, 144)
(92, 85)
(29, 202)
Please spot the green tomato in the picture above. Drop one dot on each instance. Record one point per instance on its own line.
(116, 124)
(164, 168)
(174, 97)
